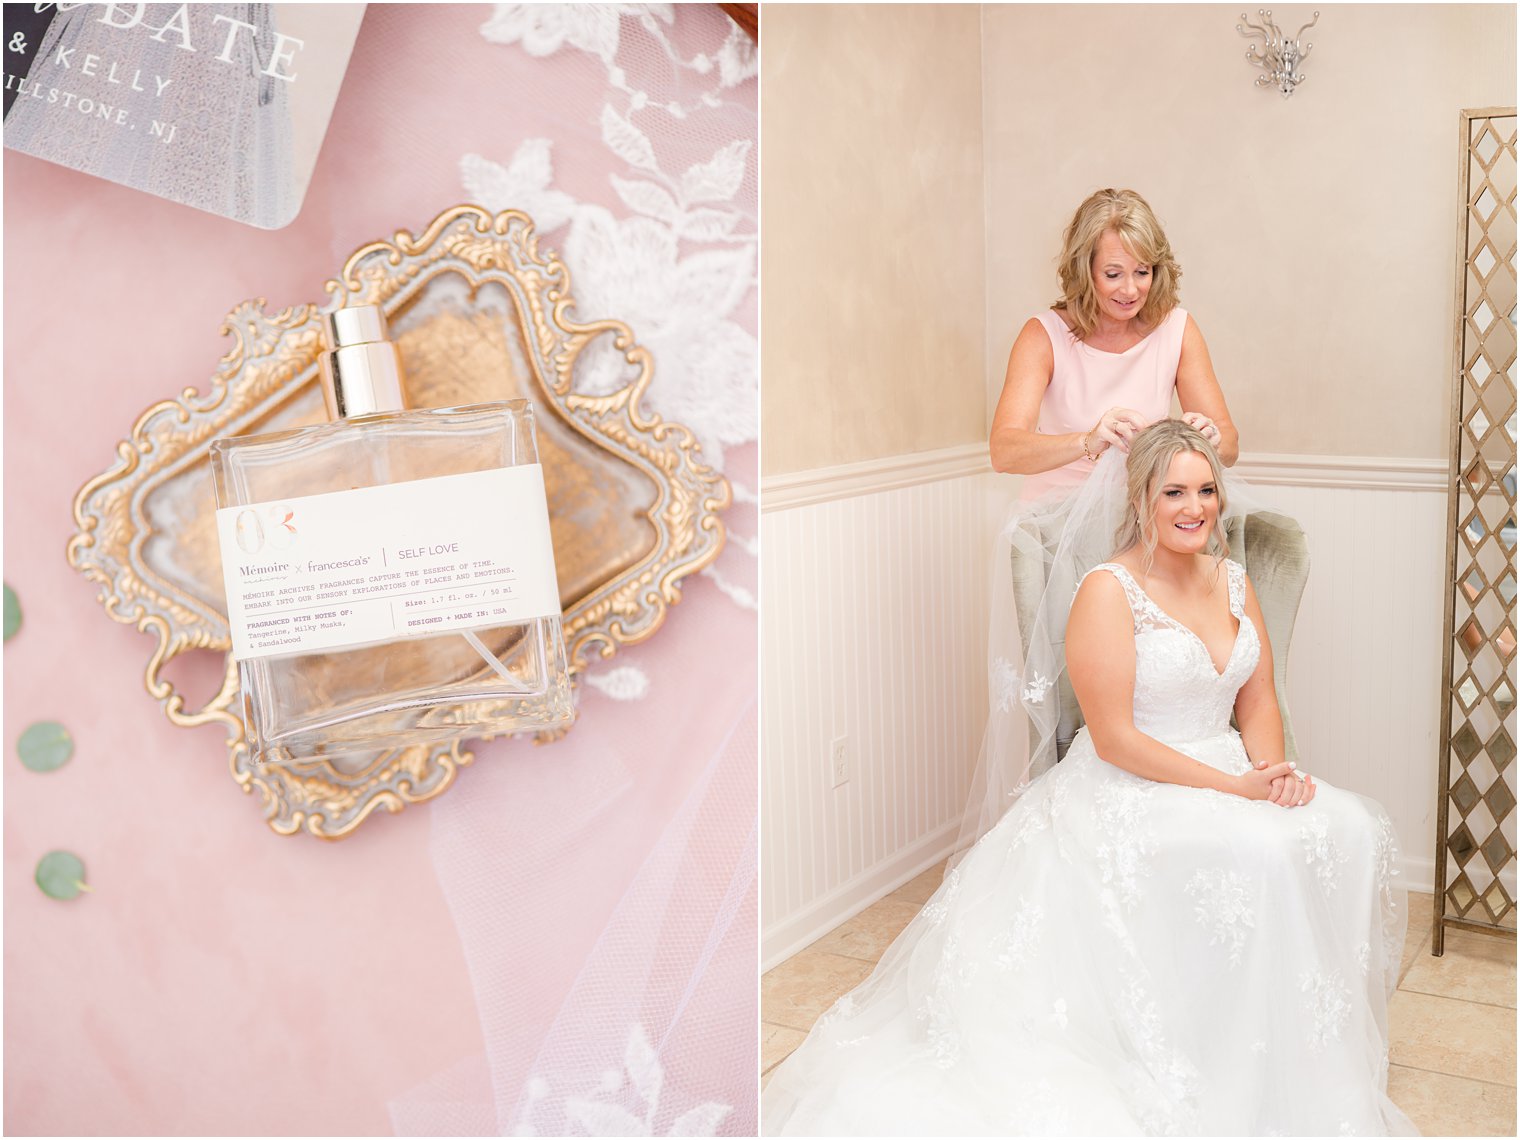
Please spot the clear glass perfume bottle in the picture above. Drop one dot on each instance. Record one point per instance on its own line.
(390, 576)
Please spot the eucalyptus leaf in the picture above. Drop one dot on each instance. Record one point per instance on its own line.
(60, 874)
(12, 613)
(45, 746)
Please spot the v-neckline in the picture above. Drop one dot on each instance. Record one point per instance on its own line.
(1189, 630)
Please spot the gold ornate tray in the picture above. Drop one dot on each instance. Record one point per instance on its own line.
(479, 313)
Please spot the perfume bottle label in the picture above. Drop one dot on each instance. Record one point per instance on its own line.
(452, 553)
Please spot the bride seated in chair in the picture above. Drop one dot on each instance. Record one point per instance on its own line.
(1175, 930)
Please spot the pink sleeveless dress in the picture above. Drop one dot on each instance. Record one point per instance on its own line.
(1086, 382)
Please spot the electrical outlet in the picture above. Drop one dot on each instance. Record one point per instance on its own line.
(841, 761)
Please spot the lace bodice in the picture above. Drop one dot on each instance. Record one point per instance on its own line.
(1179, 695)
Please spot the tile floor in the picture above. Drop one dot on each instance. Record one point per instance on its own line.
(1452, 1020)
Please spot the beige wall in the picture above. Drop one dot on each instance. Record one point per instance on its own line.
(874, 292)
(1316, 234)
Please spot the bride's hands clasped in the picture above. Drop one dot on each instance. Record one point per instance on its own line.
(1281, 784)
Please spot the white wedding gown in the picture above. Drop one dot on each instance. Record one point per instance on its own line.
(1123, 957)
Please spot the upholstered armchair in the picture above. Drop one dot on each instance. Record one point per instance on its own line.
(1269, 545)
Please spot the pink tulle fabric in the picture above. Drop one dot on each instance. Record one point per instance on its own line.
(611, 941)
(604, 887)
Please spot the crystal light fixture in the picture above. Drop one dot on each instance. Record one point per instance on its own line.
(1279, 57)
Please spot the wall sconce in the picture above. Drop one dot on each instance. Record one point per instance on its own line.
(1280, 57)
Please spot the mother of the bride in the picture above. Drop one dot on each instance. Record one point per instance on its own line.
(1105, 359)
(1086, 374)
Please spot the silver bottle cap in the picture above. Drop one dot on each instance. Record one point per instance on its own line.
(361, 370)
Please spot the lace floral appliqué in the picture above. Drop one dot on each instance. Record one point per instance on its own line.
(1005, 684)
(625, 683)
(1039, 1111)
(936, 908)
(641, 1081)
(1321, 853)
(1224, 908)
(640, 268)
(1328, 1002)
(951, 975)
(1387, 856)
(1014, 945)
(1036, 688)
(1123, 859)
(844, 1008)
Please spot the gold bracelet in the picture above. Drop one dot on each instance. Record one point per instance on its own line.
(1091, 458)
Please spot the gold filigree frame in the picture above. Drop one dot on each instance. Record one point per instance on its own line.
(619, 593)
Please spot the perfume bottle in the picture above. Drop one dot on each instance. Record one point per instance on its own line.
(390, 576)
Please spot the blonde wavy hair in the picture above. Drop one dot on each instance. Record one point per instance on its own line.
(1128, 215)
(1150, 455)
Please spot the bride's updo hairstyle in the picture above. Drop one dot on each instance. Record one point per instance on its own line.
(1150, 456)
(1128, 215)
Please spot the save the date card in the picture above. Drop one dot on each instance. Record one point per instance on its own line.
(218, 106)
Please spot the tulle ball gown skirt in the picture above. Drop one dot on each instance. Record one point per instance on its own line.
(1124, 957)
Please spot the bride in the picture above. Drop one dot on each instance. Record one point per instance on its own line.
(1172, 931)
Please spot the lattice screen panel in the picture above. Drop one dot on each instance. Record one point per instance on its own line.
(1475, 838)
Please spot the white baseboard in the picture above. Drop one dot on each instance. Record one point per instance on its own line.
(1417, 874)
(840, 905)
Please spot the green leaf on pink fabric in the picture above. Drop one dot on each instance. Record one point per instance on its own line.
(12, 613)
(60, 874)
(45, 746)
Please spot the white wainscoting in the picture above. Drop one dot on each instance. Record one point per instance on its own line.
(873, 617)
(873, 625)
(1364, 672)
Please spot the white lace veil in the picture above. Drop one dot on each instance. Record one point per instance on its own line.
(1039, 556)
(604, 887)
